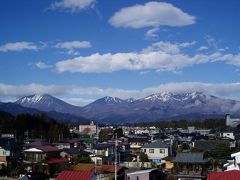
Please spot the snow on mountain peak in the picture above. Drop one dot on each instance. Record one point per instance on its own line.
(164, 96)
(109, 99)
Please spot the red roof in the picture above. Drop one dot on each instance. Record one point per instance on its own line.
(75, 175)
(57, 161)
(226, 175)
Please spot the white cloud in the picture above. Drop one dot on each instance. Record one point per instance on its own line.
(152, 33)
(33, 88)
(78, 101)
(168, 47)
(72, 5)
(42, 65)
(151, 14)
(18, 46)
(84, 95)
(160, 56)
(202, 48)
(73, 45)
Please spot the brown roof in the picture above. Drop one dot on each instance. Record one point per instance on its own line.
(57, 161)
(83, 167)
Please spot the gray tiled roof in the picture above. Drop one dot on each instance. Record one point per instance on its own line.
(190, 158)
(157, 144)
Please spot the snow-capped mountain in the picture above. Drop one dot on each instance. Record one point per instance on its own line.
(162, 106)
(47, 103)
(159, 106)
(109, 100)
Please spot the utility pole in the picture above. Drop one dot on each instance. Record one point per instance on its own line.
(116, 156)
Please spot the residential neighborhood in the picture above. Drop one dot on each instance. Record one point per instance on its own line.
(124, 152)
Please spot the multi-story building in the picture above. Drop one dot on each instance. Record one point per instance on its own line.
(88, 129)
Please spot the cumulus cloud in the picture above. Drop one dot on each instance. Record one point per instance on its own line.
(42, 65)
(160, 56)
(151, 14)
(72, 5)
(18, 46)
(77, 95)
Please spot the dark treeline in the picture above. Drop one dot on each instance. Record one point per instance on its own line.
(207, 123)
(33, 126)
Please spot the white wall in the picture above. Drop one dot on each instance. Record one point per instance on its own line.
(156, 154)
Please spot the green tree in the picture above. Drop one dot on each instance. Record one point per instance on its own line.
(119, 132)
(83, 160)
(104, 134)
(143, 157)
(221, 151)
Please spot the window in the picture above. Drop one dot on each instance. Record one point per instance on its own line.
(162, 151)
(151, 150)
(144, 150)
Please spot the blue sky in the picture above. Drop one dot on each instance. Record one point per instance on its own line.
(81, 50)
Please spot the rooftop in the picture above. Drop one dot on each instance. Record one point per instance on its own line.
(190, 158)
(157, 144)
(75, 175)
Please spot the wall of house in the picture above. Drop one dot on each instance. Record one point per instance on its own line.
(4, 152)
(156, 154)
(141, 176)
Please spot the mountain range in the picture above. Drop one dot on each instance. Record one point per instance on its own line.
(160, 106)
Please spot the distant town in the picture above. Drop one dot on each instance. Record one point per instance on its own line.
(181, 150)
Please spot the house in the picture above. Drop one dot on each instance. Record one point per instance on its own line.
(227, 135)
(105, 151)
(76, 175)
(233, 164)
(156, 151)
(45, 159)
(153, 174)
(190, 164)
(71, 154)
(104, 171)
(9, 151)
(67, 144)
(226, 175)
(136, 143)
(4, 155)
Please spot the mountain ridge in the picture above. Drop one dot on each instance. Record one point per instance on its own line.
(158, 106)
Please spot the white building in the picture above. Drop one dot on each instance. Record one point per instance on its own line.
(156, 151)
(233, 164)
(88, 129)
(228, 135)
(4, 154)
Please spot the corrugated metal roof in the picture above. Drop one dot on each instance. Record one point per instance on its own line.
(190, 158)
(75, 175)
(226, 175)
